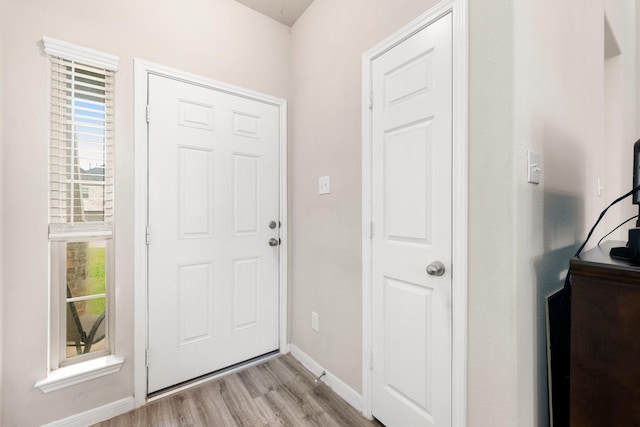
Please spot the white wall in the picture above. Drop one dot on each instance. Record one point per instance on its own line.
(325, 244)
(620, 111)
(559, 104)
(207, 37)
(492, 362)
(560, 111)
(537, 80)
(1, 208)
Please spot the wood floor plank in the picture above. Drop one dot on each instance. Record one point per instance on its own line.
(183, 411)
(282, 372)
(288, 410)
(276, 415)
(337, 408)
(295, 376)
(241, 404)
(324, 420)
(197, 405)
(258, 381)
(294, 403)
(277, 393)
(135, 418)
(139, 417)
(310, 406)
(291, 363)
(161, 414)
(267, 412)
(214, 406)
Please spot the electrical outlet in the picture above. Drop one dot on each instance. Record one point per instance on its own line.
(314, 321)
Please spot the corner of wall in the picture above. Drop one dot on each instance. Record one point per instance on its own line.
(637, 68)
(492, 375)
(620, 106)
(2, 38)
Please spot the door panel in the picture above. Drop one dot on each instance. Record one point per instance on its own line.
(246, 292)
(408, 184)
(213, 189)
(246, 194)
(195, 306)
(411, 212)
(195, 172)
(406, 308)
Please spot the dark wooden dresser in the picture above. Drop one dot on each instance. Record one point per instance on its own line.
(605, 340)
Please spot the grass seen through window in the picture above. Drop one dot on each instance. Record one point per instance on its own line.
(96, 278)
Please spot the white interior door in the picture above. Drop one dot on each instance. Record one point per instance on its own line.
(411, 214)
(213, 192)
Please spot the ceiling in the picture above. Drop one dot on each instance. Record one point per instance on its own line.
(285, 11)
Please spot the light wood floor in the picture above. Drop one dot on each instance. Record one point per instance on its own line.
(280, 392)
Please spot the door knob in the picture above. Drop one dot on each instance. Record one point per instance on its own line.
(274, 242)
(436, 268)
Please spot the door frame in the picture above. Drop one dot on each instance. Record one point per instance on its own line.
(142, 69)
(460, 71)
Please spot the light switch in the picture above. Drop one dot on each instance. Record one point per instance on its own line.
(324, 185)
(534, 168)
(599, 187)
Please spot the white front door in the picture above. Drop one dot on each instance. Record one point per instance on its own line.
(213, 192)
(411, 214)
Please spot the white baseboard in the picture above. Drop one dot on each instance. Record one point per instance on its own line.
(344, 391)
(95, 415)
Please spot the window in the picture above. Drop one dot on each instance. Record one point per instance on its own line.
(81, 202)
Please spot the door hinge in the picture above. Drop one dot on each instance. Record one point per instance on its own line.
(148, 113)
(371, 360)
(146, 357)
(371, 100)
(148, 235)
(371, 230)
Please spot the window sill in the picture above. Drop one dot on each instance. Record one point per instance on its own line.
(79, 373)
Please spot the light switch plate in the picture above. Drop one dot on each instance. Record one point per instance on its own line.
(534, 168)
(324, 185)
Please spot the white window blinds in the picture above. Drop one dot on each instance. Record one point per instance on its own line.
(81, 150)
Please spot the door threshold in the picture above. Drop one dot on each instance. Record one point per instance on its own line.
(186, 385)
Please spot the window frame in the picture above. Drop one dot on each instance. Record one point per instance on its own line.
(61, 234)
(59, 303)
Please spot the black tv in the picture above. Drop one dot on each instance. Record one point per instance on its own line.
(636, 175)
(631, 252)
